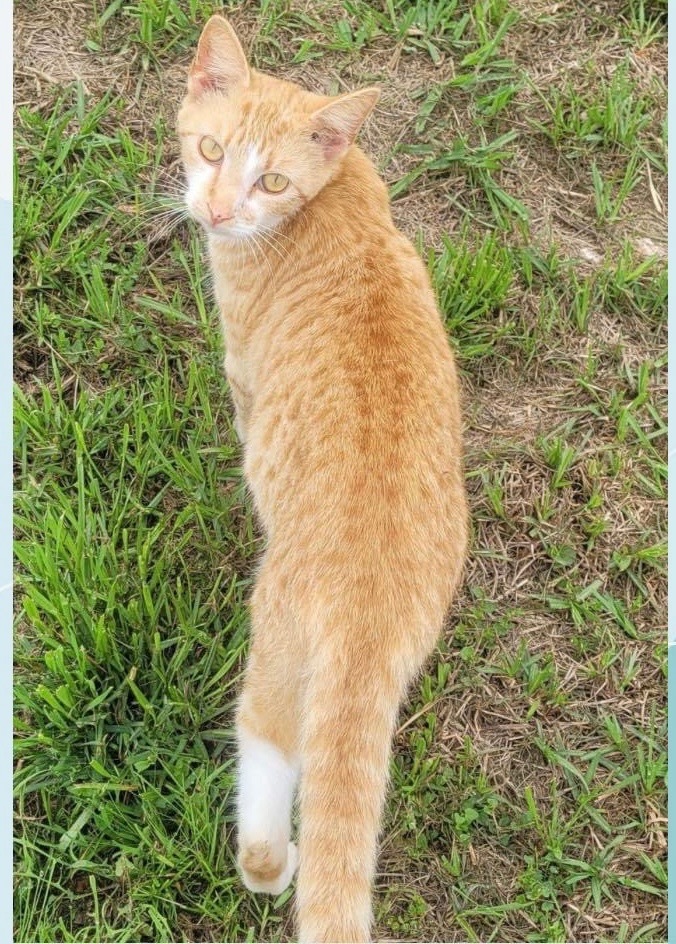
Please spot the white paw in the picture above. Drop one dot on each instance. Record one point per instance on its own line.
(276, 885)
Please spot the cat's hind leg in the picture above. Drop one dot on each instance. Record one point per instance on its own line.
(267, 734)
(267, 858)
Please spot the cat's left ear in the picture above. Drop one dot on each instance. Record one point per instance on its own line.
(220, 63)
(337, 124)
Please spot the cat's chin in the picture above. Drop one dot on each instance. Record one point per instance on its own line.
(225, 235)
(235, 237)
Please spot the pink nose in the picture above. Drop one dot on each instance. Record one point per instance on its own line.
(218, 215)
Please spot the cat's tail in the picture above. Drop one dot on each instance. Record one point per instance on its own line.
(352, 699)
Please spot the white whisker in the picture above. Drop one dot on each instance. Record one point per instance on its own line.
(267, 239)
(264, 256)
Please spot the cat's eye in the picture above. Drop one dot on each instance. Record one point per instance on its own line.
(273, 183)
(211, 150)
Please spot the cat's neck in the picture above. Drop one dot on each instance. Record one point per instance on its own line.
(354, 197)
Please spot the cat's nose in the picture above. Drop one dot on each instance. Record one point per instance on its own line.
(218, 215)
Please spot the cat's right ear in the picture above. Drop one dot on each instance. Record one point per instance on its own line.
(220, 63)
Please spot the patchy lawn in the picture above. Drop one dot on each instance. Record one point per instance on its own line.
(524, 142)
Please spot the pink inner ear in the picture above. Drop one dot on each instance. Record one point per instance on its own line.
(201, 82)
(333, 142)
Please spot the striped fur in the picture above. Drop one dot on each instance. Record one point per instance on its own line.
(346, 401)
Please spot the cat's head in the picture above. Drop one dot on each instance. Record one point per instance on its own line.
(256, 149)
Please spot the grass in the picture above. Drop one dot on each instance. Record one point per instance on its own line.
(528, 781)
(612, 114)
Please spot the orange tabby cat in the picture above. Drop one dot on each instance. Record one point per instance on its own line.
(346, 402)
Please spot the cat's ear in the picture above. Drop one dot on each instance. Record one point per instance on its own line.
(220, 63)
(337, 124)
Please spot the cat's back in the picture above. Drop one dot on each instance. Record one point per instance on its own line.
(357, 413)
(354, 311)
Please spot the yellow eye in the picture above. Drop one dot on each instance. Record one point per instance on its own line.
(211, 150)
(273, 183)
